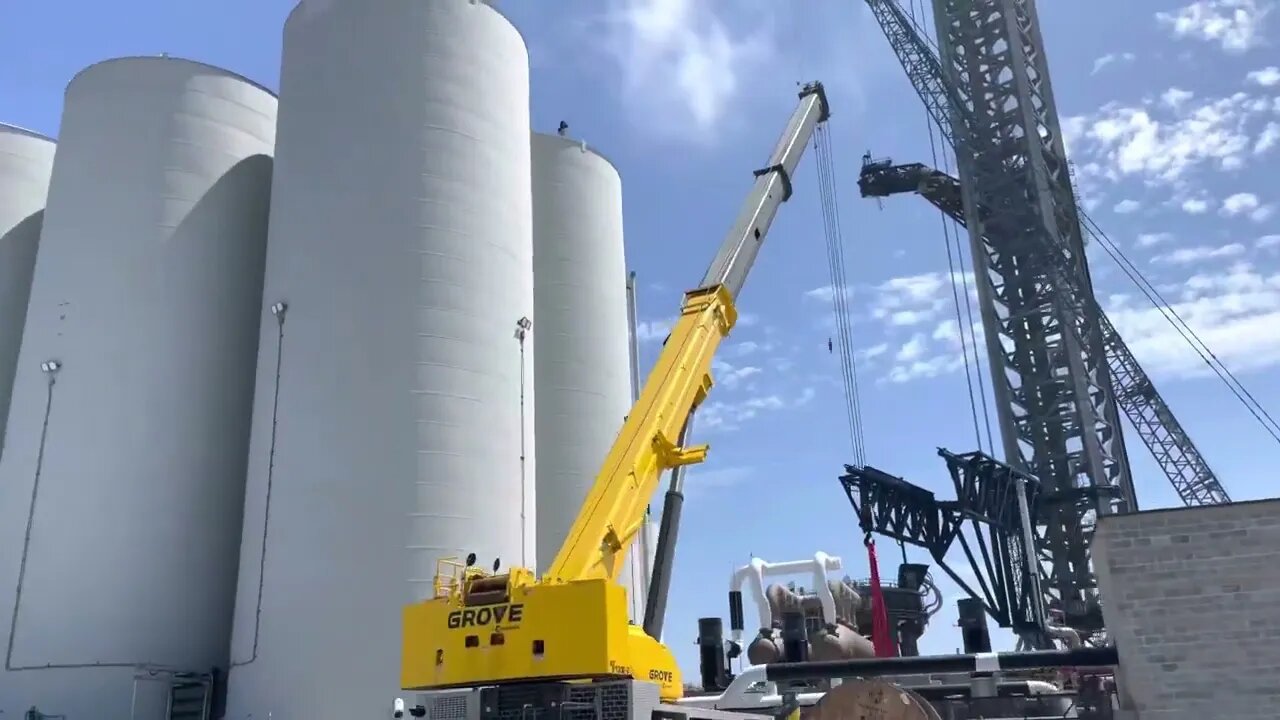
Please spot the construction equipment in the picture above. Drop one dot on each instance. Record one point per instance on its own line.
(1170, 445)
(1055, 397)
(486, 629)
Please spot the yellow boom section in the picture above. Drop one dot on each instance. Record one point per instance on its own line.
(613, 511)
(572, 624)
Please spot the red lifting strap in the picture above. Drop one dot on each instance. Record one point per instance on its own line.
(879, 614)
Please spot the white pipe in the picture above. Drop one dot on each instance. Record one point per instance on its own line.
(757, 569)
(643, 547)
(1065, 634)
(741, 684)
(1029, 557)
(754, 572)
(738, 695)
(1040, 687)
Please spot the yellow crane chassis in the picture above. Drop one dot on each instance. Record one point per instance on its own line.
(532, 632)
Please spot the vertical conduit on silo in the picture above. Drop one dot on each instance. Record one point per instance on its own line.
(26, 160)
(123, 507)
(400, 239)
(582, 370)
(278, 311)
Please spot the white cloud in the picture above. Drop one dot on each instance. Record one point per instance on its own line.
(902, 301)
(731, 376)
(876, 351)
(909, 317)
(730, 414)
(1239, 203)
(1268, 138)
(1236, 25)
(1073, 126)
(653, 330)
(744, 388)
(744, 392)
(924, 299)
(1165, 142)
(806, 395)
(1129, 140)
(747, 347)
(1195, 206)
(1246, 204)
(1266, 77)
(928, 368)
(1188, 255)
(913, 349)
(826, 293)
(1235, 310)
(915, 299)
(682, 62)
(913, 288)
(1174, 97)
(1110, 58)
(1236, 313)
(1124, 207)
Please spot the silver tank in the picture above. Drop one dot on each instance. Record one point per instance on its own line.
(580, 306)
(122, 482)
(838, 640)
(26, 159)
(388, 428)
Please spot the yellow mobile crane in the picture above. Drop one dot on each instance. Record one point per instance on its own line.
(483, 629)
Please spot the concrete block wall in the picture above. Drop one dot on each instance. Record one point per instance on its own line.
(1192, 598)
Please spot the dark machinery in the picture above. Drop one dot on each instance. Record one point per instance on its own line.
(904, 603)
(1054, 396)
(1058, 394)
(1170, 445)
(987, 504)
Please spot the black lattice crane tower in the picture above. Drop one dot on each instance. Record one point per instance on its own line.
(987, 87)
(1157, 426)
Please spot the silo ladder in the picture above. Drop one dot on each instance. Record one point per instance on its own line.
(190, 697)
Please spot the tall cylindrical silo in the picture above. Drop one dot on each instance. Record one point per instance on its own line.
(123, 475)
(392, 412)
(583, 368)
(26, 159)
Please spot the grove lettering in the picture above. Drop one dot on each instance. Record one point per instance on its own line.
(489, 615)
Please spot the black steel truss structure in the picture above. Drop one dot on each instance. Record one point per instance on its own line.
(987, 88)
(1148, 413)
(986, 500)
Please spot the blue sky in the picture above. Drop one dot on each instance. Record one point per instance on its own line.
(1171, 109)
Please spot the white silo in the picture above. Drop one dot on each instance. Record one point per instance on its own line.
(26, 159)
(123, 475)
(388, 426)
(583, 368)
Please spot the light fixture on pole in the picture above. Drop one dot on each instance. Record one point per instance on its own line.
(523, 327)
